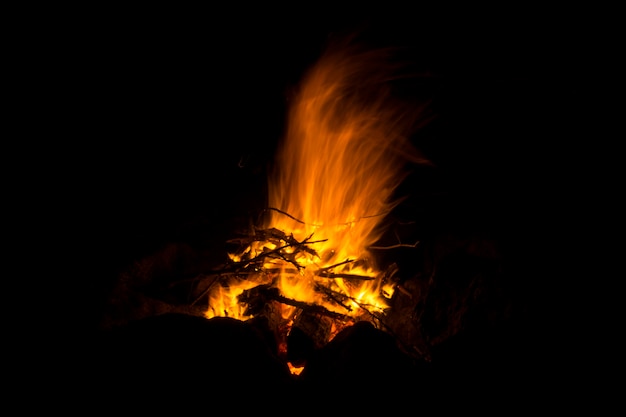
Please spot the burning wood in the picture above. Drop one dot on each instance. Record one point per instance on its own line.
(343, 156)
(257, 297)
(307, 268)
(252, 278)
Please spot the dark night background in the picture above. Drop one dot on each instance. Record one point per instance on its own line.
(168, 120)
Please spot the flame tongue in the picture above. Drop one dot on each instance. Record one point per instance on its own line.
(332, 184)
(342, 157)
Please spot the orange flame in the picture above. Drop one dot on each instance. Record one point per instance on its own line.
(342, 158)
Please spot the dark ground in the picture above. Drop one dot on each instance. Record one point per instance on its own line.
(164, 107)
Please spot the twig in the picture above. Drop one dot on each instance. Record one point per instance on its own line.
(348, 276)
(399, 245)
(204, 292)
(326, 268)
(286, 214)
(332, 295)
(319, 225)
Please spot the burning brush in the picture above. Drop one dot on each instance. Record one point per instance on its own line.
(308, 268)
(275, 276)
(308, 262)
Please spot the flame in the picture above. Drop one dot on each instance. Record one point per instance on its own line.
(344, 154)
(295, 370)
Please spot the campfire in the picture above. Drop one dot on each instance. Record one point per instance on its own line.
(315, 261)
(310, 260)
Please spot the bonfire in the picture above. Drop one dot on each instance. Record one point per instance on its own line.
(309, 263)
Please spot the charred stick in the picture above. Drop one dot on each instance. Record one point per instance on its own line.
(311, 308)
(398, 245)
(326, 268)
(273, 294)
(348, 276)
(204, 292)
(218, 278)
(285, 214)
(286, 259)
(334, 296)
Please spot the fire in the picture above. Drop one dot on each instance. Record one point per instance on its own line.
(344, 154)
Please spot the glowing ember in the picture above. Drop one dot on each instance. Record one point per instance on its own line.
(295, 370)
(343, 156)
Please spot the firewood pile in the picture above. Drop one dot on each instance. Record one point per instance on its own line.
(441, 287)
(340, 164)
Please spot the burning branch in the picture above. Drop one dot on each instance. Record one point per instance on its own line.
(346, 276)
(323, 272)
(286, 214)
(261, 294)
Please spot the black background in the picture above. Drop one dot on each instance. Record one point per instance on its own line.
(175, 117)
(150, 113)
